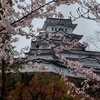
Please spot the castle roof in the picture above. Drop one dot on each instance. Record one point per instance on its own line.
(48, 55)
(56, 21)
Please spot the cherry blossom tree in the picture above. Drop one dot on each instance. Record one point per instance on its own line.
(15, 21)
(89, 9)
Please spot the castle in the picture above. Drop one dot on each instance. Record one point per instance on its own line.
(48, 58)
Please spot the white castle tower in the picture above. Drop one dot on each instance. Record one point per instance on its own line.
(48, 58)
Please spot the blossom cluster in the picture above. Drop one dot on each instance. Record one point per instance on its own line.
(89, 9)
(73, 90)
(36, 66)
(78, 70)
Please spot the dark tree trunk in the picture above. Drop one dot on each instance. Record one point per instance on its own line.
(3, 80)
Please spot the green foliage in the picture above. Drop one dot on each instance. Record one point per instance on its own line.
(10, 50)
(43, 86)
(76, 81)
(9, 2)
(5, 66)
(14, 67)
(6, 37)
(94, 93)
(90, 91)
(10, 83)
(25, 76)
(14, 78)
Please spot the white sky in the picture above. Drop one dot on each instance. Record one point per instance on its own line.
(85, 27)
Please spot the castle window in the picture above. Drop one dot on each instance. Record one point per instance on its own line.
(52, 29)
(59, 29)
(65, 40)
(66, 30)
(37, 46)
(55, 29)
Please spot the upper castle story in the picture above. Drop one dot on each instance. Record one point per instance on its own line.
(55, 24)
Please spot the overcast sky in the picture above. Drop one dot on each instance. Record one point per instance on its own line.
(85, 27)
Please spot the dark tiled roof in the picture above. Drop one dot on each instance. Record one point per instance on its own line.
(57, 21)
